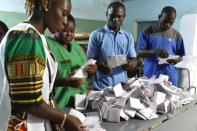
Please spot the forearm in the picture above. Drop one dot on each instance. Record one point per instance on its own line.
(146, 53)
(132, 62)
(62, 82)
(45, 111)
(179, 59)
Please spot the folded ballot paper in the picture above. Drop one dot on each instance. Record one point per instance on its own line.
(164, 60)
(81, 73)
(114, 61)
(91, 123)
(91, 100)
(120, 92)
(80, 101)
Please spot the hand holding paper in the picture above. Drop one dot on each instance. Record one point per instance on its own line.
(118, 60)
(82, 73)
(168, 60)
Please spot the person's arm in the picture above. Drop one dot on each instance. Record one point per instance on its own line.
(143, 50)
(26, 80)
(131, 64)
(44, 111)
(91, 69)
(103, 67)
(152, 52)
(175, 61)
(180, 50)
(69, 81)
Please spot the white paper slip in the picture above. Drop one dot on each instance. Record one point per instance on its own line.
(123, 115)
(146, 112)
(95, 95)
(81, 73)
(77, 114)
(159, 97)
(163, 77)
(118, 90)
(164, 60)
(130, 113)
(80, 100)
(136, 104)
(114, 61)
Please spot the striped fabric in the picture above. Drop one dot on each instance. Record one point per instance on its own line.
(25, 67)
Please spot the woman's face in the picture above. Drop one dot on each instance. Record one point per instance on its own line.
(54, 18)
(68, 33)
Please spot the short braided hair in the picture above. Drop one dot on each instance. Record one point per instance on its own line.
(31, 5)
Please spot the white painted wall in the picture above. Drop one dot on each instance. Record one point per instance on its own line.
(136, 10)
(12, 5)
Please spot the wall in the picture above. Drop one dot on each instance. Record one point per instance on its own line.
(83, 25)
(144, 10)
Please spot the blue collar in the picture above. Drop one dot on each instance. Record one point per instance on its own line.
(106, 27)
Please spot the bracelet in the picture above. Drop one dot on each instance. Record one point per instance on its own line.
(63, 121)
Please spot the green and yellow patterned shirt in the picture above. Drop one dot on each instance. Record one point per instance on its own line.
(24, 67)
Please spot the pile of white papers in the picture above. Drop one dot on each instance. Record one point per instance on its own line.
(142, 98)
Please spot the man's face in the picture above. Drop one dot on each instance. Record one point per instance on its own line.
(166, 20)
(115, 17)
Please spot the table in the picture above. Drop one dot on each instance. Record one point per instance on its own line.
(185, 119)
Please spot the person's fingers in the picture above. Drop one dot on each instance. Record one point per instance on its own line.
(83, 128)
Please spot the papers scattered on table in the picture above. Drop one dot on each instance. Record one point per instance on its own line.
(114, 61)
(145, 98)
(81, 73)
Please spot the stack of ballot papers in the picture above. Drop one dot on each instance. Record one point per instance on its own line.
(81, 73)
(91, 123)
(118, 60)
(144, 99)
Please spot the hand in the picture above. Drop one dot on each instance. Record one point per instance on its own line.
(91, 69)
(172, 61)
(72, 123)
(103, 68)
(131, 63)
(162, 53)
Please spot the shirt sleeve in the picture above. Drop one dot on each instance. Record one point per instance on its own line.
(92, 50)
(131, 52)
(180, 46)
(142, 41)
(25, 60)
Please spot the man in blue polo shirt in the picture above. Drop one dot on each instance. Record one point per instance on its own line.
(111, 40)
(159, 41)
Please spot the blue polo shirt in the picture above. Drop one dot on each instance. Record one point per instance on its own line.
(104, 43)
(171, 41)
